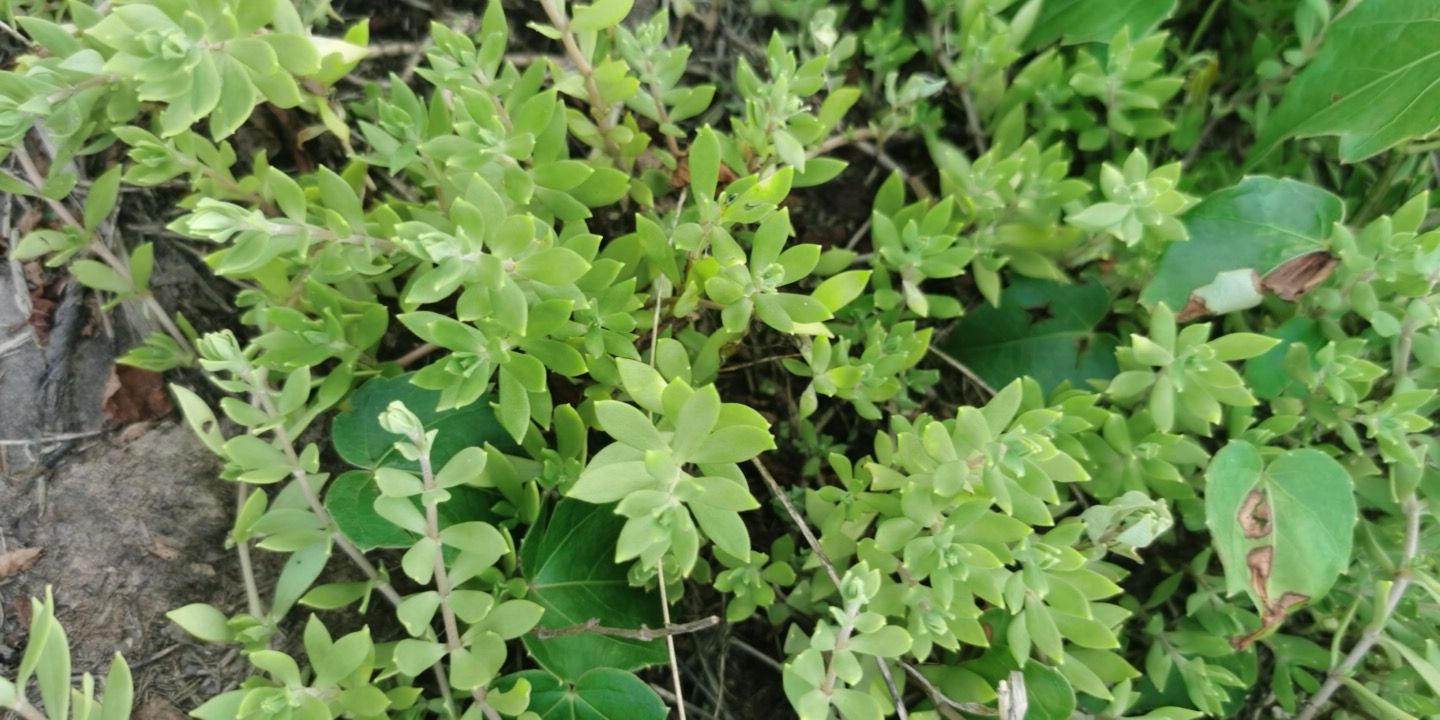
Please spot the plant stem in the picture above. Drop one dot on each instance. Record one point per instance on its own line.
(964, 370)
(442, 578)
(1403, 344)
(642, 633)
(302, 478)
(119, 266)
(1411, 507)
(453, 640)
(598, 111)
(670, 641)
(917, 185)
(1202, 26)
(940, 698)
(24, 709)
(840, 140)
(242, 549)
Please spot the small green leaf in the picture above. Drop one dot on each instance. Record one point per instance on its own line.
(734, 444)
(104, 191)
(203, 621)
(599, 15)
(119, 691)
(97, 275)
(413, 657)
(704, 163)
(142, 262)
(553, 266)
(887, 642)
(838, 291)
(628, 425)
(1241, 346)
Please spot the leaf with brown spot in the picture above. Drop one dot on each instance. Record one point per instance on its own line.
(1261, 235)
(1300, 274)
(1282, 524)
(134, 395)
(1260, 561)
(1254, 515)
(14, 562)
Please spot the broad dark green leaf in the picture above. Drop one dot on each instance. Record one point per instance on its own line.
(1283, 529)
(568, 561)
(359, 439)
(1080, 21)
(1042, 329)
(1372, 82)
(351, 502)
(1256, 225)
(1266, 375)
(350, 499)
(601, 694)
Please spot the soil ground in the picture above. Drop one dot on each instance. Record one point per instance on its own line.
(126, 532)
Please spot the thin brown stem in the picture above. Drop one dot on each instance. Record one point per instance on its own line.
(844, 139)
(972, 121)
(799, 521)
(762, 361)
(917, 185)
(1411, 506)
(670, 641)
(754, 652)
(414, 356)
(940, 698)
(964, 370)
(642, 633)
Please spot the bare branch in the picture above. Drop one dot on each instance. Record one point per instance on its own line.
(641, 633)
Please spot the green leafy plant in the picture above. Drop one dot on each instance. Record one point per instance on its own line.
(46, 660)
(1112, 400)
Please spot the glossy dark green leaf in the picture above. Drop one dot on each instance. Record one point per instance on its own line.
(1372, 82)
(358, 437)
(1042, 329)
(350, 500)
(1265, 374)
(601, 694)
(1255, 225)
(1079, 21)
(568, 561)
